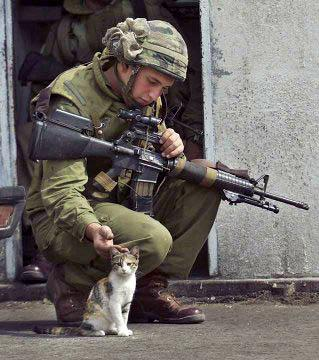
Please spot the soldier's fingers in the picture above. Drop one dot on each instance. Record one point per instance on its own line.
(177, 151)
(173, 139)
(168, 150)
(177, 144)
(121, 248)
(106, 232)
(166, 134)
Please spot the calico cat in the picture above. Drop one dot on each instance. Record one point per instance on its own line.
(109, 302)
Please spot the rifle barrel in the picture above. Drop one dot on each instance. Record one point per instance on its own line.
(285, 200)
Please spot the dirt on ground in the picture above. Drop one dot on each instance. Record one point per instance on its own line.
(297, 298)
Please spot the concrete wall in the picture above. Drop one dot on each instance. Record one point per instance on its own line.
(265, 117)
(10, 249)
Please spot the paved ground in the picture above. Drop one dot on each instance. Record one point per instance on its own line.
(239, 331)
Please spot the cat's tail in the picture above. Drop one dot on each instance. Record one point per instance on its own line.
(58, 330)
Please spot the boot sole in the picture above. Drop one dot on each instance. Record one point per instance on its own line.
(32, 277)
(150, 318)
(69, 323)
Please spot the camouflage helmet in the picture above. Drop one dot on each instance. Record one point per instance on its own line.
(153, 43)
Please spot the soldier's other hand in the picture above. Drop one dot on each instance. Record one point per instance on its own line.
(172, 144)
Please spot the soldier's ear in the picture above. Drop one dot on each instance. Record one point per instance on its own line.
(123, 68)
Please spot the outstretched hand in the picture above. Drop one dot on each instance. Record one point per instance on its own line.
(102, 238)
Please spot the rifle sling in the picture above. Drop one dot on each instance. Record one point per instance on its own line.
(43, 103)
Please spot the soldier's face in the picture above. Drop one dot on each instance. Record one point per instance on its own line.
(149, 85)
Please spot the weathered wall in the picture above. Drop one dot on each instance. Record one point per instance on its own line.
(9, 248)
(265, 118)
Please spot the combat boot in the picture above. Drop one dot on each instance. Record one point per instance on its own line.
(153, 303)
(37, 271)
(69, 302)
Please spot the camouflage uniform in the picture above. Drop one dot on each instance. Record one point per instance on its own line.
(62, 202)
(74, 40)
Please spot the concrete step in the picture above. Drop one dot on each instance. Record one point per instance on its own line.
(206, 290)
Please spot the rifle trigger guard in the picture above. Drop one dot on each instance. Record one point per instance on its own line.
(101, 126)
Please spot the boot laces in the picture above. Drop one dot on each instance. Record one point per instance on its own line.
(170, 297)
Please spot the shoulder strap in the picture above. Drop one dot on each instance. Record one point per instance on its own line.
(42, 101)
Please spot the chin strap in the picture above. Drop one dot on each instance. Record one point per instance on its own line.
(126, 89)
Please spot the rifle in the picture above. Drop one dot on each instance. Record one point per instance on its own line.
(51, 135)
(12, 200)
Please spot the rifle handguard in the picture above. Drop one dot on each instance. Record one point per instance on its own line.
(193, 172)
(198, 173)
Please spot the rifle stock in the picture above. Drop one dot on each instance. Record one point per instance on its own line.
(51, 141)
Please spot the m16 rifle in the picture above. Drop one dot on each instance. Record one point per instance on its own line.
(50, 135)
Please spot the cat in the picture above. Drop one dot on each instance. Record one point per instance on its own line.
(109, 302)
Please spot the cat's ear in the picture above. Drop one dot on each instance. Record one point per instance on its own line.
(114, 251)
(135, 251)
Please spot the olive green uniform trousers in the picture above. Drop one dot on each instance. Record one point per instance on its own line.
(170, 242)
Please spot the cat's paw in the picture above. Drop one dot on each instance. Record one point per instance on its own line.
(92, 332)
(111, 331)
(125, 332)
(99, 333)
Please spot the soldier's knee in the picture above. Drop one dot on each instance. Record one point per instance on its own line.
(158, 244)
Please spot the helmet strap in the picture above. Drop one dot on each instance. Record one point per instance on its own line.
(126, 89)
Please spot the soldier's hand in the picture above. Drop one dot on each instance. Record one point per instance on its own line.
(172, 144)
(102, 238)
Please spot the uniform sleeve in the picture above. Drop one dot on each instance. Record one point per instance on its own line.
(62, 187)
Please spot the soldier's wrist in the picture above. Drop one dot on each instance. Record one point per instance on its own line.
(91, 229)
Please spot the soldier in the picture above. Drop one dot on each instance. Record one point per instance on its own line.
(75, 224)
(73, 40)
